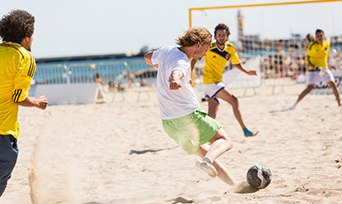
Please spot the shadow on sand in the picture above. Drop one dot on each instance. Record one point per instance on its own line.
(180, 200)
(132, 151)
(282, 110)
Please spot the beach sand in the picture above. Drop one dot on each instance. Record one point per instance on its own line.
(117, 152)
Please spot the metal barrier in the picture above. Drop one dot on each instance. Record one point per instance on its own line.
(85, 72)
(117, 76)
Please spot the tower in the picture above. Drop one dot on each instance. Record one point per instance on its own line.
(240, 26)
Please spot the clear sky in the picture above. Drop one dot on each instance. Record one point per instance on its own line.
(86, 27)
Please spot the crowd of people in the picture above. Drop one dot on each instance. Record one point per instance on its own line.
(289, 60)
(285, 59)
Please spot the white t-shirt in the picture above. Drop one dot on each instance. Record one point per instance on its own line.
(174, 103)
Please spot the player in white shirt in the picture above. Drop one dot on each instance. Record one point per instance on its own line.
(182, 118)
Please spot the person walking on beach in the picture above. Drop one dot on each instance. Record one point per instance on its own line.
(216, 59)
(318, 70)
(182, 118)
(17, 67)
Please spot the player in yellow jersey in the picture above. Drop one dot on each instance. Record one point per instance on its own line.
(216, 60)
(318, 70)
(17, 66)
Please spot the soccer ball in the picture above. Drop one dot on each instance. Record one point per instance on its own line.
(259, 176)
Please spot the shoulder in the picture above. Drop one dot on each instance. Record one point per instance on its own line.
(19, 51)
(213, 45)
(161, 49)
(230, 47)
(326, 43)
(160, 52)
(173, 55)
(229, 44)
(312, 44)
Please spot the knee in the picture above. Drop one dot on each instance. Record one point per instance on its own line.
(310, 87)
(212, 114)
(229, 142)
(332, 84)
(235, 101)
(230, 145)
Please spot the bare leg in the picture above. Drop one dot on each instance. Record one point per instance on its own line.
(335, 91)
(222, 172)
(219, 144)
(307, 90)
(226, 96)
(213, 106)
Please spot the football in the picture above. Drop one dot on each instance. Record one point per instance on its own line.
(259, 176)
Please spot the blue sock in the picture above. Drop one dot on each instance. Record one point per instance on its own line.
(247, 132)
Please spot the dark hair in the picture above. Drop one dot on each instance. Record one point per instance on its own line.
(221, 26)
(319, 31)
(16, 25)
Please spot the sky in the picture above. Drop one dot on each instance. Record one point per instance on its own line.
(91, 27)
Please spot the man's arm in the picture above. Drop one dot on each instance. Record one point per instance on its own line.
(243, 69)
(148, 57)
(40, 102)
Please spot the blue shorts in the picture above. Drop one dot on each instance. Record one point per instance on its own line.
(8, 159)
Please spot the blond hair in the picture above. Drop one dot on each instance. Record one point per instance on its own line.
(193, 36)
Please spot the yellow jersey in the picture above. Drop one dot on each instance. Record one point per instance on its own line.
(318, 54)
(17, 67)
(216, 60)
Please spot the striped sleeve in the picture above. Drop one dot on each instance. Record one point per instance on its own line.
(23, 78)
(16, 95)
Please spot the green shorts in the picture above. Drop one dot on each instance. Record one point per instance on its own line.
(192, 130)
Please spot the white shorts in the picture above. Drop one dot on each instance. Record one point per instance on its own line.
(211, 90)
(323, 76)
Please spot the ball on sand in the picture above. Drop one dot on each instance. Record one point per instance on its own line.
(259, 176)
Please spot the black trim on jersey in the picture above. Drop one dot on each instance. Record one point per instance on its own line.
(31, 69)
(222, 54)
(16, 95)
(311, 44)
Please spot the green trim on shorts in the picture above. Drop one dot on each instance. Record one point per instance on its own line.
(192, 130)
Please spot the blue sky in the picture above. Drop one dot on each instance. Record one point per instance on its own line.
(86, 27)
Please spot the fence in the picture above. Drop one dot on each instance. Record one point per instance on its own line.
(121, 75)
(113, 73)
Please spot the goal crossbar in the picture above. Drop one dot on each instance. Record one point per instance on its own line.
(257, 5)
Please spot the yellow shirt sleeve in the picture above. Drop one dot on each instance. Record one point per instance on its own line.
(234, 57)
(23, 79)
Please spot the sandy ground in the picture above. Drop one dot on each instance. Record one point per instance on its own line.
(117, 152)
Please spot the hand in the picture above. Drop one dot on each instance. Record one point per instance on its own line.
(317, 69)
(174, 85)
(252, 72)
(41, 102)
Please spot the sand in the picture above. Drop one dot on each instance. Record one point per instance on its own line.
(117, 152)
